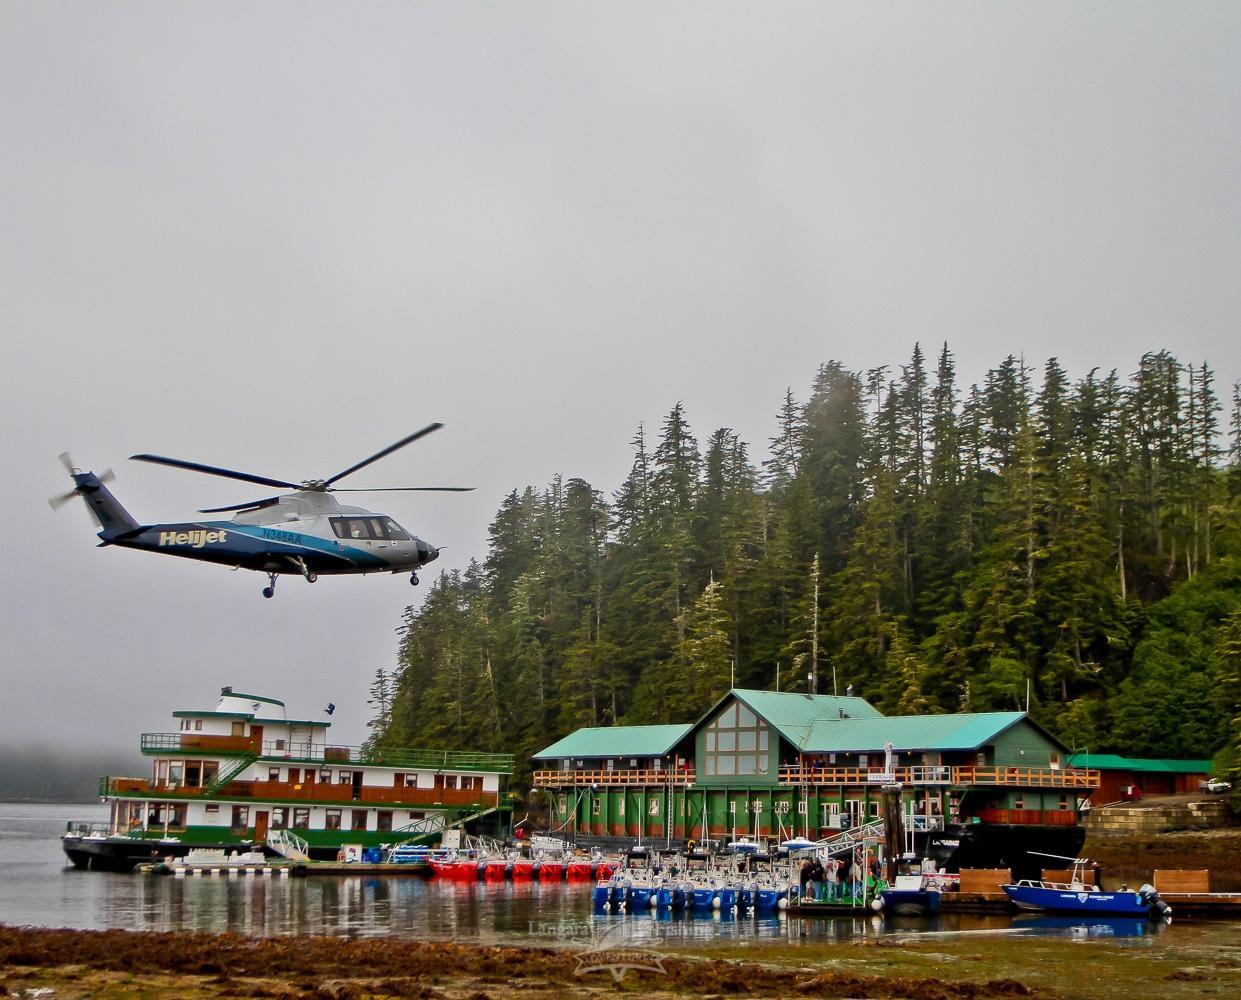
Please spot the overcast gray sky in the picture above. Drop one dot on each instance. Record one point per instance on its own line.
(279, 236)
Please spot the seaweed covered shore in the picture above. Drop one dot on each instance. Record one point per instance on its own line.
(113, 964)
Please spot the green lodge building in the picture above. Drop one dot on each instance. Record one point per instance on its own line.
(978, 789)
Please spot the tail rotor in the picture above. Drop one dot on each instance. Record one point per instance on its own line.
(57, 502)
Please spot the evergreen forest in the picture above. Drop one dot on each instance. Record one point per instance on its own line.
(1070, 542)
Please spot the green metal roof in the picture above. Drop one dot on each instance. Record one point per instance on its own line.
(794, 714)
(1113, 762)
(908, 732)
(617, 741)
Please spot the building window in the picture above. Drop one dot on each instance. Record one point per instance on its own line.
(279, 816)
(176, 816)
(737, 743)
(301, 819)
(198, 725)
(331, 819)
(594, 807)
(273, 774)
(1053, 760)
(344, 778)
(238, 729)
(562, 805)
(213, 809)
(450, 781)
(620, 806)
(414, 816)
(383, 820)
(241, 818)
(358, 820)
(652, 808)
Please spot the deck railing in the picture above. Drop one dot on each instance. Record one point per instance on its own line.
(326, 754)
(796, 774)
(1023, 777)
(313, 793)
(632, 776)
(1024, 817)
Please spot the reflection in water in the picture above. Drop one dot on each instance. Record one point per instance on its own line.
(1090, 926)
(492, 913)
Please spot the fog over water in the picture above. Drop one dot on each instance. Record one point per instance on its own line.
(277, 237)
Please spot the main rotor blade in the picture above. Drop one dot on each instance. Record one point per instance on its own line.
(410, 489)
(252, 505)
(387, 451)
(212, 470)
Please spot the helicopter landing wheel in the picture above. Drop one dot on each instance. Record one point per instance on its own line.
(413, 579)
(312, 577)
(270, 590)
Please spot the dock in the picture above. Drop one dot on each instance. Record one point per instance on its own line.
(305, 869)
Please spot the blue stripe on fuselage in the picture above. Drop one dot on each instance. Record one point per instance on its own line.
(252, 546)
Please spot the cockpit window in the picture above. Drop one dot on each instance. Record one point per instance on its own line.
(395, 531)
(369, 528)
(352, 527)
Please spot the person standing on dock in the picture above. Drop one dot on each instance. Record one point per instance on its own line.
(855, 879)
(831, 868)
(815, 876)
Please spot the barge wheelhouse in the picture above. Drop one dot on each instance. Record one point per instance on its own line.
(979, 789)
(245, 774)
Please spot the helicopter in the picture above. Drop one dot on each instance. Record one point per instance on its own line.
(306, 532)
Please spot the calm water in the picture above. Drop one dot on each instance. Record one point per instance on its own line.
(36, 888)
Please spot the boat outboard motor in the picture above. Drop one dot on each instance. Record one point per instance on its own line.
(1159, 910)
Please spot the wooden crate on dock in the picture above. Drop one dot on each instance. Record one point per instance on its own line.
(1065, 875)
(1182, 880)
(986, 880)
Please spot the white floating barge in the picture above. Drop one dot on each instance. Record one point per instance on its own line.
(215, 861)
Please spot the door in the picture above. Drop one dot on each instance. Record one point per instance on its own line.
(256, 738)
(357, 784)
(260, 825)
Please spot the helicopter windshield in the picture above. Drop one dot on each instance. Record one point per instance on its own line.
(373, 527)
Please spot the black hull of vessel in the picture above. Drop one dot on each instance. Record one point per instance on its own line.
(122, 854)
(995, 845)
